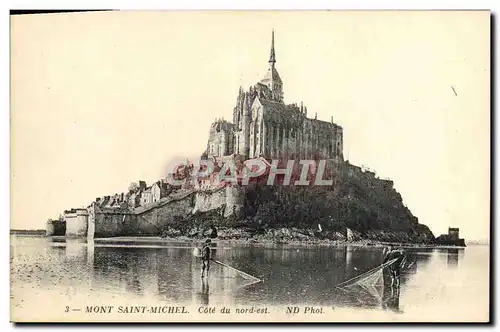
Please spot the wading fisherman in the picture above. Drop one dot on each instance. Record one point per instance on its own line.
(206, 256)
(395, 268)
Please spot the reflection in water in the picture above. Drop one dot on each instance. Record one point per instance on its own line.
(90, 261)
(133, 284)
(130, 270)
(205, 292)
(348, 259)
(375, 291)
(90, 252)
(175, 274)
(452, 257)
(390, 299)
(290, 276)
(75, 249)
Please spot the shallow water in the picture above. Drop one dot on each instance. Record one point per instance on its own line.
(73, 273)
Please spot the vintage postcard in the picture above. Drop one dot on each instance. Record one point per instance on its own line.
(250, 166)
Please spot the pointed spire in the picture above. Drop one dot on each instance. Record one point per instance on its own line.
(272, 56)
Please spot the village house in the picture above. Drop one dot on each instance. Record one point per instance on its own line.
(134, 196)
(134, 199)
(160, 189)
(146, 196)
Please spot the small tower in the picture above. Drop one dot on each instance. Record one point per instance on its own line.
(237, 109)
(244, 148)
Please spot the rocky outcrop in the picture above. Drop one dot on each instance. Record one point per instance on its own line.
(357, 206)
(252, 234)
(447, 240)
(357, 201)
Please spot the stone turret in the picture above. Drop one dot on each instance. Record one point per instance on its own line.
(237, 112)
(245, 137)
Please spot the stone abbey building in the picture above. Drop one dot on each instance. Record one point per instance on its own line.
(264, 126)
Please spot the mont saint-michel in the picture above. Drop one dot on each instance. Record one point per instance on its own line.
(250, 166)
(289, 144)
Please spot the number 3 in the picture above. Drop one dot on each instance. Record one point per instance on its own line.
(67, 309)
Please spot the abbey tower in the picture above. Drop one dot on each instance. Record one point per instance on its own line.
(264, 126)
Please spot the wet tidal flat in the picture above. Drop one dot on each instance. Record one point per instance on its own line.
(73, 280)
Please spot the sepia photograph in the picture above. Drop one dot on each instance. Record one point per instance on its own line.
(250, 166)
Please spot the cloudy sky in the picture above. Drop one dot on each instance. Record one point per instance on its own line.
(102, 99)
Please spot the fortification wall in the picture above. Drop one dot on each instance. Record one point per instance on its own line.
(49, 229)
(76, 223)
(59, 227)
(114, 224)
(235, 200)
(207, 200)
(152, 221)
(231, 198)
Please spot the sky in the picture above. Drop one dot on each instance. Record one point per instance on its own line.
(102, 99)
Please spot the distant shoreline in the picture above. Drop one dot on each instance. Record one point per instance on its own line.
(40, 232)
(156, 240)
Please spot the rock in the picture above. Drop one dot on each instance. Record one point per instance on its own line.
(170, 232)
(193, 232)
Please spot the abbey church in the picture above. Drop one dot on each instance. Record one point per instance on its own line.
(264, 126)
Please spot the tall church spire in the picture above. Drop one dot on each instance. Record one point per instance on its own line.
(272, 56)
(272, 79)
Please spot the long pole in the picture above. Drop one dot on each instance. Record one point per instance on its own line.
(232, 268)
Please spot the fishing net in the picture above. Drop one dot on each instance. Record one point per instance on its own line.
(369, 279)
(228, 271)
(232, 272)
(231, 277)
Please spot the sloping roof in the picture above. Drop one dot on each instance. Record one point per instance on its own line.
(222, 125)
(260, 85)
(276, 111)
(271, 75)
(179, 195)
(276, 106)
